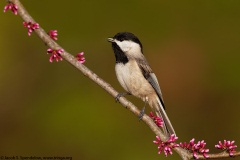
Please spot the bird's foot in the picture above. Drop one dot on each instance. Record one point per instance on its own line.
(121, 95)
(141, 114)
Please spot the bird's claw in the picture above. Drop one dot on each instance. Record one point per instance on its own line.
(120, 95)
(117, 97)
(141, 114)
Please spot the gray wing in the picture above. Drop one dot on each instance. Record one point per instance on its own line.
(150, 77)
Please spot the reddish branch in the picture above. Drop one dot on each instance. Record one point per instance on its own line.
(17, 8)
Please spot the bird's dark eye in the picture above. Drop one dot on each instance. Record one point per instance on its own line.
(121, 39)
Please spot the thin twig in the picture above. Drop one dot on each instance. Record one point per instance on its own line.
(220, 155)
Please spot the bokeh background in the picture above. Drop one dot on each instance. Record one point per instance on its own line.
(51, 109)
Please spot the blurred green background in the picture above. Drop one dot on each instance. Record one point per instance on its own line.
(51, 109)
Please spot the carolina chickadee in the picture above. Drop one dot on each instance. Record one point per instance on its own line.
(135, 75)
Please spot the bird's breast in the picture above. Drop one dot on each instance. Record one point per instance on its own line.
(132, 80)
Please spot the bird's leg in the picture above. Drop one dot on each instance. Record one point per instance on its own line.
(142, 112)
(121, 95)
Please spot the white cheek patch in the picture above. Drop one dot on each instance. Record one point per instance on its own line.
(124, 45)
(129, 47)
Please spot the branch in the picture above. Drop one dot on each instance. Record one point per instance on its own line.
(183, 153)
(220, 155)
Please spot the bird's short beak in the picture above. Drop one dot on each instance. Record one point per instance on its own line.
(111, 40)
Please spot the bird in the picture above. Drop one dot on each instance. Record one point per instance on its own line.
(136, 76)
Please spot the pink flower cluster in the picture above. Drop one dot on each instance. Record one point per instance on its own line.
(53, 34)
(158, 121)
(167, 146)
(55, 54)
(80, 57)
(198, 148)
(227, 145)
(13, 7)
(31, 26)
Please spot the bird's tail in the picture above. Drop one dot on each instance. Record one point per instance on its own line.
(167, 126)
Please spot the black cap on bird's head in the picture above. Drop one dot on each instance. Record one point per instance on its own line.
(121, 36)
(125, 45)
